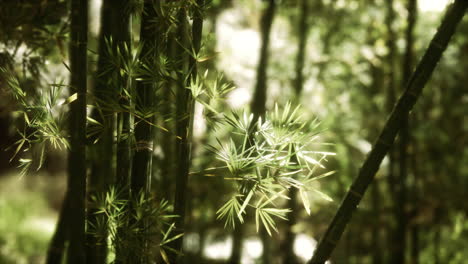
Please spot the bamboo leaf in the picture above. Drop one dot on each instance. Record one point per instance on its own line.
(305, 200)
(322, 195)
(71, 98)
(246, 202)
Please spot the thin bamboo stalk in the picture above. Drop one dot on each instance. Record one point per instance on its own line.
(404, 105)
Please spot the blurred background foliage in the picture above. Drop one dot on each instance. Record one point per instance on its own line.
(353, 64)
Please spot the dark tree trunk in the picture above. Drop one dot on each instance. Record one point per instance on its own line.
(77, 130)
(367, 172)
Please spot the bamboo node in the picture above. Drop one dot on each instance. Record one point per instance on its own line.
(144, 145)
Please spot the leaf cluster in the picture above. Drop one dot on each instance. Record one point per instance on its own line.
(267, 158)
(43, 120)
(125, 221)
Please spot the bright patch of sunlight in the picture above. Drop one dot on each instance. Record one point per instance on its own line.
(239, 97)
(26, 220)
(199, 123)
(220, 249)
(95, 16)
(238, 43)
(363, 145)
(304, 246)
(238, 51)
(432, 5)
(191, 242)
(45, 225)
(252, 249)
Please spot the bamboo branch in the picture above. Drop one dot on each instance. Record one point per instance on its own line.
(404, 105)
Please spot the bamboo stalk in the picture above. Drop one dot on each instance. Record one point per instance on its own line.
(404, 105)
(56, 248)
(77, 129)
(121, 32)
(102, 152)
(145, 92)
(258, 103)
(144, 132)
(185, 112)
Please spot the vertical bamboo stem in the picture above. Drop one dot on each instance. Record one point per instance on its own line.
(77, 129)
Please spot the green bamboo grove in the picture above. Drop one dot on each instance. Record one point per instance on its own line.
(207, 131)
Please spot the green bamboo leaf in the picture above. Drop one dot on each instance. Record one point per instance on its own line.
(278, 212)
(271, 199)
(166, 241)
(246, 201)
(305, 200)
(164, 256)
(71, 98)
(321, 176)
(322, 195)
